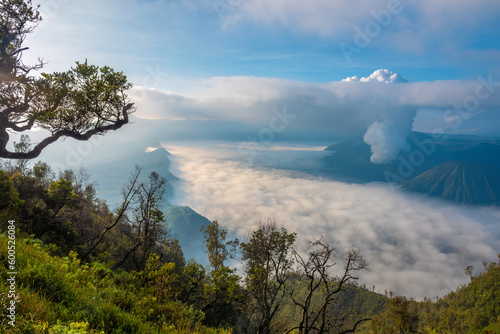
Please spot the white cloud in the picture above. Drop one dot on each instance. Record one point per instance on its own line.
(402, 24)
(415, 246)
(338, 108)
(381, 75)
(380, 106)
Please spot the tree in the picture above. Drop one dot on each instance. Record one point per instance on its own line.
(218, 249)
(194, 278)
(43, 174)
(222, 292)
(129, 192)
(50, 209)
(79, 103)
(268, 262)
(406, 321)
(19, 18)
(319, 317)
(172, 253)
(161, 278)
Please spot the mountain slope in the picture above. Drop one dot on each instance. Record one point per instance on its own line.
(182, 221)
(62, 295)
(185, 224)
(461, 181)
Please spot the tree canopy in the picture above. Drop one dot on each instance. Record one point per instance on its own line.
(84, 101)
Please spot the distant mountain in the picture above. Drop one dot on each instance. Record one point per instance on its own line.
(185, 224)
(479, 164)
(460, 181)
(350, 159)
(111, 176)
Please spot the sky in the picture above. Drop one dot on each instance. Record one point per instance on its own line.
(376, 69)
(264, 76)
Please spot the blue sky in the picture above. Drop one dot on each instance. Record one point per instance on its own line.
(189, 40)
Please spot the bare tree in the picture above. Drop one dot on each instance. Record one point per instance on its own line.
(319, 318)
(129, 191)
(146, 230)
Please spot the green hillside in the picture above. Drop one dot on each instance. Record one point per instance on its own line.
(472, 308)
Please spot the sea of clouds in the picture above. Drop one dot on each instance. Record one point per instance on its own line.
(414, 245)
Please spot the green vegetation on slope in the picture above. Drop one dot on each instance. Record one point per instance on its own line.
(472, 308)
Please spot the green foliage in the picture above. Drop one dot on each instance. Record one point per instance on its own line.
(17, 19)
(72, 328)
(162, 279)
(83, 98)
(218, 249)
(60, 295)
(471, 308)
(61, 194)
(50, 209)
(223, 296)
(268, 262)
(193, 278)
(79, 103)
(267, 254)
(58, 292)
(405, 321)
(43, 174)
(10, 203)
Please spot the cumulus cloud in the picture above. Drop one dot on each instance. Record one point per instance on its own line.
(381, 75)
(381, 107)
(414, 246)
